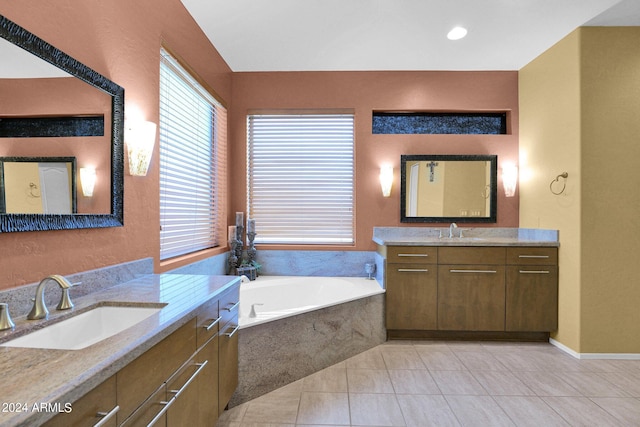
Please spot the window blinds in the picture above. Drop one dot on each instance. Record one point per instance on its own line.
(189, 116)
(300, 178)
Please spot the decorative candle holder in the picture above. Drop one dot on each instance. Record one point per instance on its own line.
(239, 244)
(251, 252)
(233, 258)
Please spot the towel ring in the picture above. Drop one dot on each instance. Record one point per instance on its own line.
(557, 179)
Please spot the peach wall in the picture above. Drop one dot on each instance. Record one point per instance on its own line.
(367, 91)
(120, 39)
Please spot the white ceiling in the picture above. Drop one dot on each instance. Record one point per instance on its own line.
(345, 35)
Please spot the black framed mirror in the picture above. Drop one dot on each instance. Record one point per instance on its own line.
(114, 145)
(448, 188)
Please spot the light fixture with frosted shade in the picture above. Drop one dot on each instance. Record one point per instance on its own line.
(457, 33)
(88, 181)
(509, 179)
(140, 137)
(386, 180)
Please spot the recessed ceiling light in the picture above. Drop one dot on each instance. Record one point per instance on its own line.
(457, 33)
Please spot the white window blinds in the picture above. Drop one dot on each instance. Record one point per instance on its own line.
(189, 195)
(300, 178)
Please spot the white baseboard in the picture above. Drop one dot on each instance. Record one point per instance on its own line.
(617, 356)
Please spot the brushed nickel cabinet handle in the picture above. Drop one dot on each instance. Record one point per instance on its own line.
(534, 272)
(413, 270)
(232, 333)
(534, 256)
(106, 416)
(474, 271)
(414, 255)
(214, 323)
(232, 307)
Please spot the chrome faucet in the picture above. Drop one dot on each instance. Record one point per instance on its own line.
(39, 310)
(451, 228)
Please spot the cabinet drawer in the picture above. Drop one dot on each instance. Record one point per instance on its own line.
(412, 254)
(532, 256)
(208, 322)
(469, 255)
(229, 305)
(140, 378)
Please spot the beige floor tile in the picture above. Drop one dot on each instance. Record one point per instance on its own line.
(479, 361)
(401, 357)
(324, 408)
(276, 408)
(457, 382)
(628, 382)
(413, 382)
(626, 410)
(581, 411)
(499, 383)
(426, 411)
(440, 360)
(234, 414)
(329, 379)
(369, 381)
(519, 361)
(478, 411)
(370, 359)
(546, 384)
(264, 425)
(529, 411)
(375, 410)
(591, 384)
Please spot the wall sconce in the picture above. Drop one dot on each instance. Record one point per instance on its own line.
(509, 179)
(88, 181)
(386, 180)
(140, 138)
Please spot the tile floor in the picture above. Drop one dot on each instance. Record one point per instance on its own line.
(423, 384)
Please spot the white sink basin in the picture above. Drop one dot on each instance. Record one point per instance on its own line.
(84, 329)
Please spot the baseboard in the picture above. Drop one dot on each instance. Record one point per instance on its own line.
(594, 356)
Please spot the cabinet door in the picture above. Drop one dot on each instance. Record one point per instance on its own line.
(471, 297)
(411, 296)
(228, 363)
(90, 409)
(183, 389)
(532, 298)
(208, 384)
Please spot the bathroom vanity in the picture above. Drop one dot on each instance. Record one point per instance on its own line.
(177, 367)
(492, 283)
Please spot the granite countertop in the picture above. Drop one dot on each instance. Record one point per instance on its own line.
(34, 376)
(485, 236)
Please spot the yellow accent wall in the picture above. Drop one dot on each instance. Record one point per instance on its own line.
(580, 113)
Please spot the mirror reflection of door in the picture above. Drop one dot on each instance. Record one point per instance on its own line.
(55, 188)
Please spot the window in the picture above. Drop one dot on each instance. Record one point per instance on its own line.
(439, 123)
(192, 159)
(300, 177)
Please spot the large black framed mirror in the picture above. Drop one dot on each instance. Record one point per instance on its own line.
(14, 36)
(448, 188)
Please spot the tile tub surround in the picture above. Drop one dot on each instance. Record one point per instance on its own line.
(274, 354)
(314, 263)
(483, 236)
(19, 299)
(57, 376)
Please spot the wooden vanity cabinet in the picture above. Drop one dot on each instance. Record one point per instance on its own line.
(90, 409)
(412, 288)
(532, 289)
(457, 291)
(471, 289)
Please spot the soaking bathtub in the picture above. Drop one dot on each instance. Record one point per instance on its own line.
(277, 297)
(304, 325)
